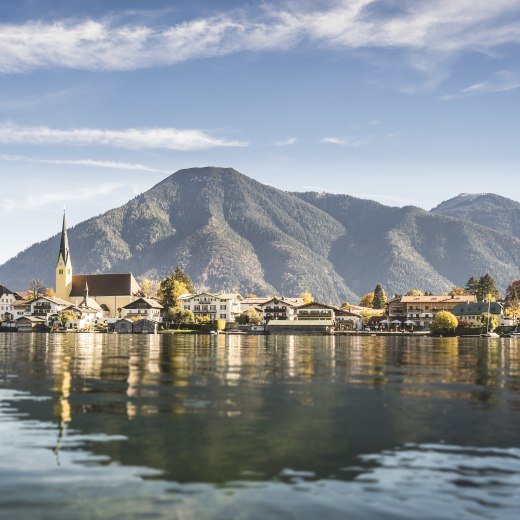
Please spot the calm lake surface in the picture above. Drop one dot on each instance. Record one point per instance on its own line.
(105, 426)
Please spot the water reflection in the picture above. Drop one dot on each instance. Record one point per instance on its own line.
(297, 415)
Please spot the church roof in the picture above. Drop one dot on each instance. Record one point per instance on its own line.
(104, 285)
(64, 243)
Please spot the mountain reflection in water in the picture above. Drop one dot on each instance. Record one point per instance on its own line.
(222, 427)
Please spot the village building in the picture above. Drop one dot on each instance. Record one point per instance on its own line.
(348, 321)
(145, 326)
(252, 303)
(279, 309)
(222, 306)
(31, 324)
(110, 291)
(316, 311)
(46, 306)
(310, 326)
(144, 308)
(419, 311)
(123, 326)
(7, 300)
(469, 314)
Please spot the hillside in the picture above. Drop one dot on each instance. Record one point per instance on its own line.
(487, 209)
(233, 233)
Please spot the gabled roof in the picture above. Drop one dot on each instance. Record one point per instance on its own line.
(53, 299)
(317, 304)
(5, 291)
(153, 304)
(221, 296)
(21, 303)
(465, 309)
(279, 300)
(104, 285)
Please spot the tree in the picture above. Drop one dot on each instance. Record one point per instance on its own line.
(180, 317)
(414, 292)
(250, 317)
(444, 323)
(513, 298)
(457, 291)
(487, 288)
(180, 276)
(37, 288)
(65, 317)
(367, 300)
(380, 298)
(306, 297)
(169, 290)
(149, 287)
(251, 295)
(49, 292)
(494, 320)
(472, 286)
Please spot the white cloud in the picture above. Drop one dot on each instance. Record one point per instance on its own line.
(36, 201)
(435, 27)
(133, 138)
(115, 165)
(503, 81)
(350, 142)
(285, 142)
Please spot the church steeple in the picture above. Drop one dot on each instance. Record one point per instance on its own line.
(64, 253)
(64, 265)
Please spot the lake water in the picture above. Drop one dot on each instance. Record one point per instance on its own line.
(105, 426)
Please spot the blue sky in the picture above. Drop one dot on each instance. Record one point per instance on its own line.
(402, 101)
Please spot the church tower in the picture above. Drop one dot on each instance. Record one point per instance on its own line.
(64, 266)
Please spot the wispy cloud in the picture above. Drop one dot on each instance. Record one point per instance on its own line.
(39, 200)
(133, 138)
(351, 142)
(503, 81)
(92, 163)
(43, 98)
(285, 142)
(437, 28)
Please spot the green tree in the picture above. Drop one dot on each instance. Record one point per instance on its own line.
(487, 288)
(367, 300)
(183, 278)
(180, 317)
(472, 286)
(380, 298)
(444, 323)
(169, 290)
(494, 320)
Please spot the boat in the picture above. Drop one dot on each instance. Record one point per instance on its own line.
(489, 334)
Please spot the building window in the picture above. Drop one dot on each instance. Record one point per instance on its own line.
(222, 316)
(61, 271)
(222, 307)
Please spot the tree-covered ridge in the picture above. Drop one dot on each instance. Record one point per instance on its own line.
(229, 232)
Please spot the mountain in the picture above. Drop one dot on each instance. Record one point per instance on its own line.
(230, 232)
(487, 209)
(406, 248)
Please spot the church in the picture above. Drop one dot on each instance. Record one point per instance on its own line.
(110, 291)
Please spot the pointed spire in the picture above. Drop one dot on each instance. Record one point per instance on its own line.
(86, 291)
(64, 244)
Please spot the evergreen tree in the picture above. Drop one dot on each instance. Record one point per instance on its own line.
(487, 288)
(180, 276)
(379, 298)
(472, 285)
